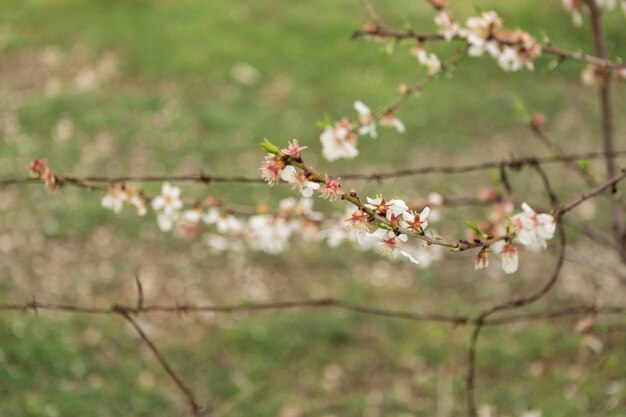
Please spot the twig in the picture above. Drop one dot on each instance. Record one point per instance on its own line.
(193, 404)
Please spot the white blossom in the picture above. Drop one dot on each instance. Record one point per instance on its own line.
(339, 141)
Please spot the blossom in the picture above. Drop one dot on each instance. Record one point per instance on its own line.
(390, 120)
(594, 75)
(140, 204)
(574, 6)
(481, 261)
(339, 141)
(396, 208)
(189, 222)
(390, 244)
(479, 34)
(510, 258)
(298, 179)
(167, 205)
(447, 26)
(429, 60)
(331, 190)
(293, 149)
(533, 229)
(271, 167)
(414, 221)
(358, 223)
(366, 119)
(38, 169)
(115, 198)
(227, 223)
(268, 233)
(378, 203)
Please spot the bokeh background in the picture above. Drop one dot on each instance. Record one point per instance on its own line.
(133, 87)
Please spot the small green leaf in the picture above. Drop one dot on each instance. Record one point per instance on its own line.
(474, 227)
(270, 147)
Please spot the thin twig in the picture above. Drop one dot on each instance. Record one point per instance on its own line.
(187, 392)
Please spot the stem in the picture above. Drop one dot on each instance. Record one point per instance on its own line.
(606, 108)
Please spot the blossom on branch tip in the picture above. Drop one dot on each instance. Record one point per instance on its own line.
(293, 149)
(390, 120)
(366, 120)
(271, 168)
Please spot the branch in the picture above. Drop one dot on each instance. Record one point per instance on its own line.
(548, 48)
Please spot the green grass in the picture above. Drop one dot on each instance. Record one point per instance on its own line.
(172, 106)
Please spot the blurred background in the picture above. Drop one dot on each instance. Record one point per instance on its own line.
(135, 87)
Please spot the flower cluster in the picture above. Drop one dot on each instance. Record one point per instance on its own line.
(527, 228)
(119, 194)
(512, 50)
(340, 140)
(167, 206)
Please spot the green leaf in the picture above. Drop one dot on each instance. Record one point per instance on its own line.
(474, 227)
(270, 147)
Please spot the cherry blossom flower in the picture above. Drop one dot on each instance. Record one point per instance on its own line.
(533, 229)
(479, 34)
(509, 257)
(415, 221)
(298, 179)
(268, 233)
(227, 223)
(396, 208)
(594, 75)
(331, 190)
(429, 60)
(359, 224)
(115, 198)
(293, 149)
(38, 169)
(574, 7)
(390, 244)
(447, 26)
(271, 168)
(390, 120)
(481, 261)
(167, 205)
(366, 119)
(339, 141)
(189, 223)
(139, 203)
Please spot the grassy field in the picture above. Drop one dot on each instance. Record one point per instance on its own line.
(117, 87)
